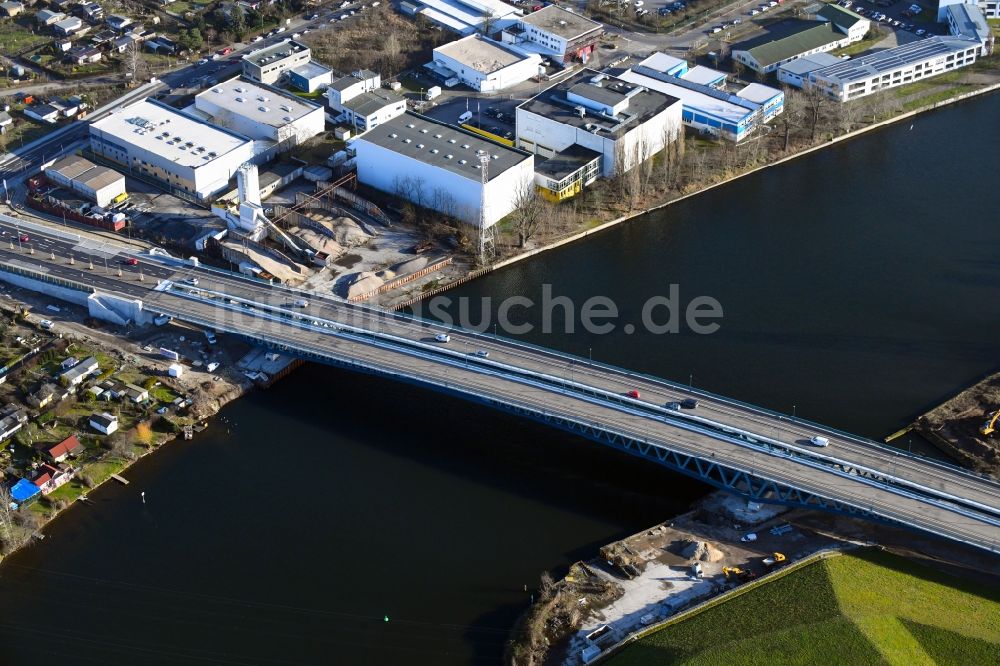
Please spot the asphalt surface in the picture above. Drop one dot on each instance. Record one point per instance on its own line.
(924, 494)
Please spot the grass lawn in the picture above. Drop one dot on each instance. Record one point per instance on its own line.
(163, 394)
(22, 132)
(15, 35)
(856, 609)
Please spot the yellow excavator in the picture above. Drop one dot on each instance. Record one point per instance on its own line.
(775, 558)
(991, 425)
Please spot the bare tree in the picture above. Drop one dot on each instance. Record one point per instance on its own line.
(135, 66)
(489, 22)
(527, 214)
(391, 50)
(791, 116)
(814, 101)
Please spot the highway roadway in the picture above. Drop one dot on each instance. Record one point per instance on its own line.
(930, 496)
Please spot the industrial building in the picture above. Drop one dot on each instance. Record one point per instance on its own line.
(462, 16)
(990, 8)
(267, 65)
(968, 21)
(555, 33)
(310, 77)
(440, 166)
(483, 64)
(262, 113)
(154, 140)
(796, 72)
(898, 66)
(834, 28)
(706, 107)
(360, 101)
(626, 123)
(100, 184)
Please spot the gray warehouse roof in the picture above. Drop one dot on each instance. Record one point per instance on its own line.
(442, 145)
(85, 172)
(268, 106)
(369, 102)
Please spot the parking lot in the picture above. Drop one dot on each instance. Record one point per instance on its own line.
(491, 115)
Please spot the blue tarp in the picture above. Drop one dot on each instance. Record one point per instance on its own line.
(23, 490)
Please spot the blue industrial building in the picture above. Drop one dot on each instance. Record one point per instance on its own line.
(706, 105)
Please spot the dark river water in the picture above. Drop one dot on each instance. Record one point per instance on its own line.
(340, 519)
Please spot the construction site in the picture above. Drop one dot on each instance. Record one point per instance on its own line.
(967, 427)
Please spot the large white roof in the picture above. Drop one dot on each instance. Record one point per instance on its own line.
(266, 106)
(160, 129)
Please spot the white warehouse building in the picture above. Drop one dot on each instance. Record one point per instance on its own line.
(626, 123)
(157, 141)
(437, 166)
(261, 112)
(483, 64)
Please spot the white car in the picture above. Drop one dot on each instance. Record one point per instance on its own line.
(638, 3)
(45, 324)
(816, 440)
(482, 353)
(716, 29)
(442, 337)
(258, 38)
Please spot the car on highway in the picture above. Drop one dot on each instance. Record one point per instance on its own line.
(442, 337)
(203, 61)
(131, 261)
(675, 406)
(23, 238)
(816, 440)
(481, 353)
(258, 38)
(633, 394)
(193, 281)
(225, 51)
(689, 403)
(313, 17)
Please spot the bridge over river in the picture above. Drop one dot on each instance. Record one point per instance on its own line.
(745, 449)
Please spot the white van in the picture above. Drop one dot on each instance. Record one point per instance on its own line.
(816, 440)
(465, 117)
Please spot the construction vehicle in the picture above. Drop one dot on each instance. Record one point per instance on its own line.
(733, 572)
(773, 559)
(991, 425)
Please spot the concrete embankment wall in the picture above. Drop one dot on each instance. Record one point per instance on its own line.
(106, 307)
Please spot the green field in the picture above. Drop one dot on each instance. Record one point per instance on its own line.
(872, 608)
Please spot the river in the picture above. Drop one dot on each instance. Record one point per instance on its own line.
(345, 519)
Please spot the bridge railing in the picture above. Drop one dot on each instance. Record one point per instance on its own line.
(582, 363)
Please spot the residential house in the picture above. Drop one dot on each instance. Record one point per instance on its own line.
(49, 477)
(104, 423)
(118, 22)
(75, 375)
(69, 447)
(103, 37)
(67, 108)
(43, 112)
(63, 45)
(111, 389)
(136, 394)
(121, 44)
(92, 11)
(45, 396)
(48, 17)
(68, 26)
(11, 8)
(13, 419)
(68, 362)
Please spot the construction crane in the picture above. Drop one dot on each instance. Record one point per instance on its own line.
(991, 425)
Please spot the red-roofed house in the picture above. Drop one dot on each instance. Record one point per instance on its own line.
(70, 446)
(48, 478)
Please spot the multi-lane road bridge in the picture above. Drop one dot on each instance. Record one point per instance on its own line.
(738, 447)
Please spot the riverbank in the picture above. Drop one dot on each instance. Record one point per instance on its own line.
(127, 361)
(959, 426)
(401, 300)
